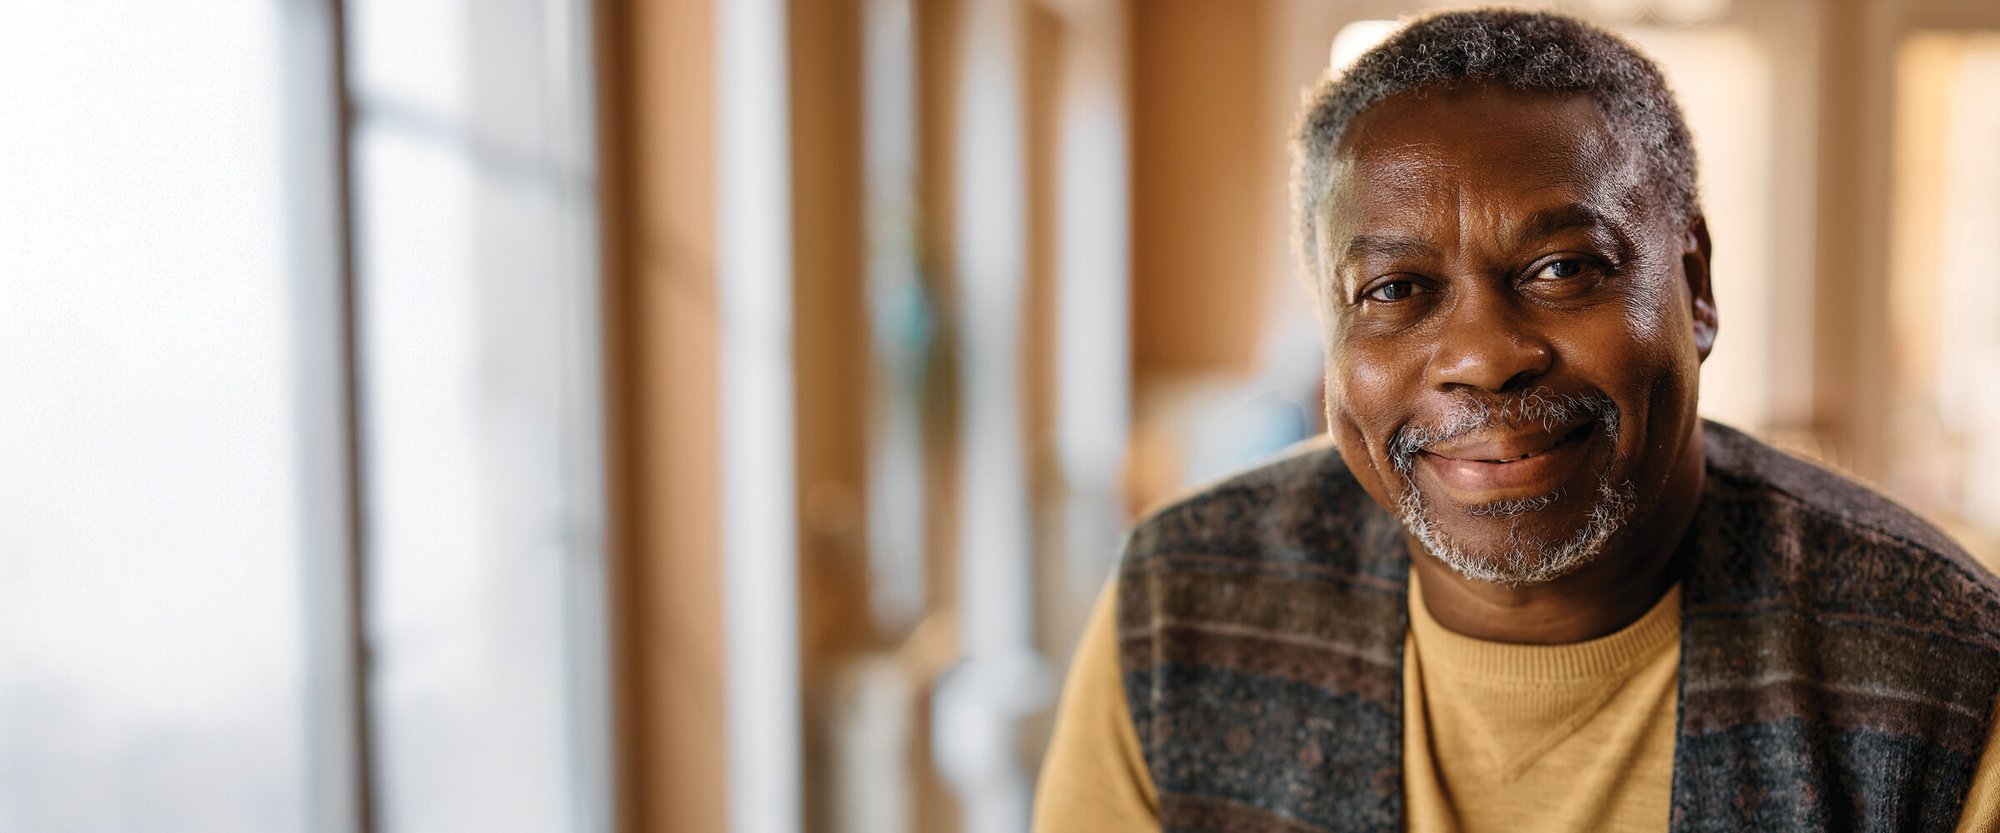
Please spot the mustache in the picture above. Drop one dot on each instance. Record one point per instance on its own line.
(1473, 412)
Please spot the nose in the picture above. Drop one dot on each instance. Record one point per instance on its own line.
(1489, 344)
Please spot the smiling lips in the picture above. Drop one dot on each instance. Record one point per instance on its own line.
(1486, 468)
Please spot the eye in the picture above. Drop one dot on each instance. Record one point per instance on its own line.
(1562, 269)
(1392, 291)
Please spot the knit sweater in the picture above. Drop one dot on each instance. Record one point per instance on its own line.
(1839, 657)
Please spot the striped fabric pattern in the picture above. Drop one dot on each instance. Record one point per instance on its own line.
(1840, 658)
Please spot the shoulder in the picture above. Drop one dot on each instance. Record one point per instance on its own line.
(1301, 501)
(1791, 525)
(1831, 638)
(1296, 531)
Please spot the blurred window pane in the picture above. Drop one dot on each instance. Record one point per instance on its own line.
(151, 607)
(480, 440)
(1945, 282)
(150, 640)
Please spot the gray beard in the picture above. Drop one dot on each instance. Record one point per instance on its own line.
(1525, 560)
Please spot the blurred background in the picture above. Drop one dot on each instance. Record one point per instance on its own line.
(719, 415)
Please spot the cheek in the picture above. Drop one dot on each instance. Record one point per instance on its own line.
(1377, 377)
(1647, 365)
(1662, 330)
(1341, 405)
(1657, 313)
(1366, 378)
(1644, 332)
(1635, 364)
(1367, 397)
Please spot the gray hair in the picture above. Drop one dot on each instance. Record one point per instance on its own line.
(1523, 50)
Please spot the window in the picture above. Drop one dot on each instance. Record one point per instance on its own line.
(166, 431)
(1945, 281)
(151, 648)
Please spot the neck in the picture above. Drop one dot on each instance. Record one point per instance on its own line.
(1610, 592)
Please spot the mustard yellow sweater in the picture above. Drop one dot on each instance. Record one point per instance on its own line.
(1496, 737)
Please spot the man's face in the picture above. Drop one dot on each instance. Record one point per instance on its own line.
(1514, 329)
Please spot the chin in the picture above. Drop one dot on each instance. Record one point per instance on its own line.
(1519, 543)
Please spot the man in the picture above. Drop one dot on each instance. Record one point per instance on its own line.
(1524, 587)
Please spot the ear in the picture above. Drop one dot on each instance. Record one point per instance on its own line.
(1695, 253)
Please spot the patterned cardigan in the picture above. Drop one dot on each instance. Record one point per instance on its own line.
(1840, 658)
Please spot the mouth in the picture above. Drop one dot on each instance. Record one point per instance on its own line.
(1512, 449)
(1487, 469)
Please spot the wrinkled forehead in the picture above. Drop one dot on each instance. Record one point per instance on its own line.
(1480, 148)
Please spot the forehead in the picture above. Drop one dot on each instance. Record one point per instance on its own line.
(1481, 149)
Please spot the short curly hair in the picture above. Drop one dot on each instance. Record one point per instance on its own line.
(1523, 50)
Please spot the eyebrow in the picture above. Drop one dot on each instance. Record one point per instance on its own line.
(1540, 225)
(1548, 222)
(1363, 245)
